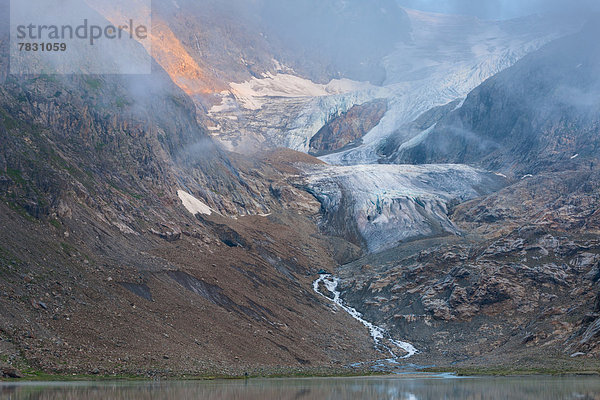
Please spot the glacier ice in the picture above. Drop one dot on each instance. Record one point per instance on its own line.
(388, 204)
(445, 59)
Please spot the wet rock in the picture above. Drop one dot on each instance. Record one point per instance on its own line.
(10, 372)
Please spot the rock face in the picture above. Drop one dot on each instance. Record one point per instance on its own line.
(348, 128)
(527, 287)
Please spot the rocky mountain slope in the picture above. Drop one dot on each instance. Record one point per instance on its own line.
(131, 244)
(520, 287)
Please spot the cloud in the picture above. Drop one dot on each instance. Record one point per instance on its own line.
(503, 9)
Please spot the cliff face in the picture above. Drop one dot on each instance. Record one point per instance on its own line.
(348, 128)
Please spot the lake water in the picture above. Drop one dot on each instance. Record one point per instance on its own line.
(396, 387)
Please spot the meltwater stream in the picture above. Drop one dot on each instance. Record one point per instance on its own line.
(377, 333)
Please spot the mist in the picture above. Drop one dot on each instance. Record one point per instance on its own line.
(504, 9)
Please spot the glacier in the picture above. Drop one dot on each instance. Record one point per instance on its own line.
(387, 204)
(372, 204)
(446, 57)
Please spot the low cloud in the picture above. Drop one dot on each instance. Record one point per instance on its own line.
(504, 9)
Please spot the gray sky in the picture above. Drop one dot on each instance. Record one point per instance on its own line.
(502, 9)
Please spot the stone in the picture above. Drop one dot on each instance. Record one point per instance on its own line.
(9, 372)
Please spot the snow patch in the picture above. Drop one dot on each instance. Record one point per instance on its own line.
(192, 204)
(251, 94)
(228, 104)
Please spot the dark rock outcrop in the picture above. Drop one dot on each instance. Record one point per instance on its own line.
(9, 372)
(348, 128)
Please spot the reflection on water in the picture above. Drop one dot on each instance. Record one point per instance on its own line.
(397, 388)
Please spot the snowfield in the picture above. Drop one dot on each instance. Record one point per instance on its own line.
(252, 94)
(192, 204)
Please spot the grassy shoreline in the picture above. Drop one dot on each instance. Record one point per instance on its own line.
(39, 376)
(492, 371)
(512, 371)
